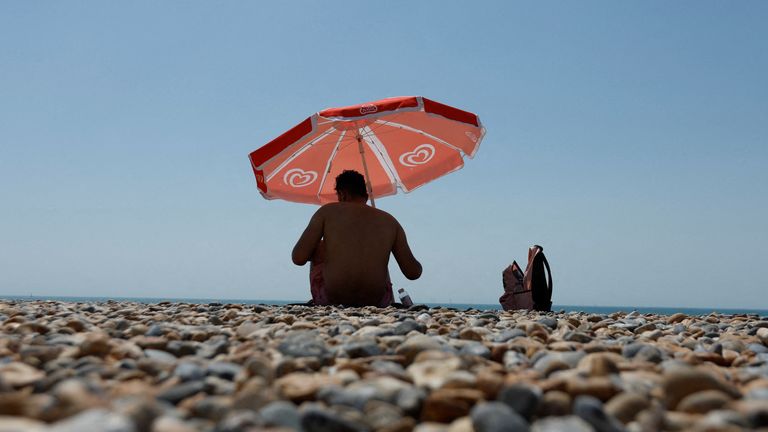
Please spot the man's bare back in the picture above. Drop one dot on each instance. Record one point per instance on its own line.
(357, 241)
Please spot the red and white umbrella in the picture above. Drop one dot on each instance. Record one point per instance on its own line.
(402, 142)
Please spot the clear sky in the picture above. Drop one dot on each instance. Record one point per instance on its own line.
(630, 139)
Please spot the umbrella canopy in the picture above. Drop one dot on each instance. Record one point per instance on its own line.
(402, 142)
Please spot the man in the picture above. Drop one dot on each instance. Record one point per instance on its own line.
(349, 244)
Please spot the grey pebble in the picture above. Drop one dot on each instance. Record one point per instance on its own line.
(497, 417)
(561, 424)
(211, 349)
(410, 399)
(549, 322)
(409, 325)
(155, 330)
(303, 344)
(475, 349)
(94, 420)
(590, 409)
(630, 350)
(508, 335)
(182, 348)
(239, 421)
(362, 348)
(160, 356)
(281, 413)
(522, 399)
(315, 419)
(224, 370)
(212, 408)
(355, 397)
(513, 359)
(182, 391)
(649, 353)
(219, 386)
(571, 358)
(576, 336)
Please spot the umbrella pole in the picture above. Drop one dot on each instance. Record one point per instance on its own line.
(365, 168)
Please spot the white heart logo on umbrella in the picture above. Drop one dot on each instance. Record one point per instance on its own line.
(419, 156)
(297, 177)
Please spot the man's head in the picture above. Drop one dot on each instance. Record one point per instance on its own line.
(350, 186)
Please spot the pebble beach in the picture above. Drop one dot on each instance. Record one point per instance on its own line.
(176, 367)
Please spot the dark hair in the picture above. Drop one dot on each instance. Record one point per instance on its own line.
(352, 182)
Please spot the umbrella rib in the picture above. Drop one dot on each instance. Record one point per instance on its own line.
(410, 129)
(298, 153)
(381, 154)
(328, 165)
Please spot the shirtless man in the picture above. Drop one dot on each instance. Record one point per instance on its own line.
(353, 242)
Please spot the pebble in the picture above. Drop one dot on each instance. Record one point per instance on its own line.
(182, 391)
(300, 386)
(549, 322)
(161, 357)
(280, 414)
(497, 417)
(224, 370)
(187, 371)
(95, 344)
(413, 346)
(366, 347)
(238, 421)
(762, 334)
(703, 401)
(625, 406)
(445, 405)
(382, 415)
(316, 419)
(561, 424)
(20, 424)
(520, 398)
(171, 424)
(554, 403)
(17, 374)
(507, 335)
(591, 411)
(649, 353)
(303, 344)
(679, 382)
(94, 420)
(475, 349)
(599, 364)
(409, 325)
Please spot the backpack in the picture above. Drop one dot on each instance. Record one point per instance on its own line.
(531, 290)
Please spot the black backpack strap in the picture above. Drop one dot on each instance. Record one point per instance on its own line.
(549, 274)
(548, 305)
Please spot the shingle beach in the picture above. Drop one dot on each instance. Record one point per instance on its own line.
(175, 367)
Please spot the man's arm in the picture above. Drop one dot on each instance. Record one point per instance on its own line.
(309, 239)
(410, 267)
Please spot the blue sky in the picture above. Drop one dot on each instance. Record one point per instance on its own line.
(628, 138)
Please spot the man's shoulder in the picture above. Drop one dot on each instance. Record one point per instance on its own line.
(338, 207)
(384, 215)
(325, 208)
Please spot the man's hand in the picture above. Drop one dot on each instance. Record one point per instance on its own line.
(309, 239)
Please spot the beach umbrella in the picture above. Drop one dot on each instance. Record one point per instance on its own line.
(401, 142)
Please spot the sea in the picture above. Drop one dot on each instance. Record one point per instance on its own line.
(458, 306)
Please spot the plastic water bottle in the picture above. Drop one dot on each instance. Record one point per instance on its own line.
(405, 299)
